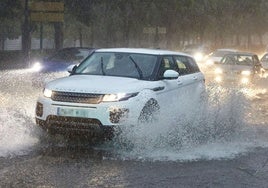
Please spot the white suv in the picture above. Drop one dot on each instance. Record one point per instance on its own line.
(116, 85)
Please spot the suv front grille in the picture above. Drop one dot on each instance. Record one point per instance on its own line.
(88, 98)
(73, 125)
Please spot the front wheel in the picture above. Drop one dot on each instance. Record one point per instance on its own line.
(150, 112)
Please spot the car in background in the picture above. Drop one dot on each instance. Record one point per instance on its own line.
(264, 63)
(118, 85)
(240, 68)
(217, 55)
(199, 52)
(56, 64)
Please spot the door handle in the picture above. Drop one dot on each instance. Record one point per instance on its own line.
(179, 82)
(195, 78)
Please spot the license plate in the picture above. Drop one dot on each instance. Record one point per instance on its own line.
(72, 112)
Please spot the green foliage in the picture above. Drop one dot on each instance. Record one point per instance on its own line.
(116, 22)
(9, 8)
(110, 23)
(10, 13)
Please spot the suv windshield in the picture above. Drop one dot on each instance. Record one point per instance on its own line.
(132, 65)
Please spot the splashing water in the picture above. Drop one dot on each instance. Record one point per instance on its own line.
(17, 99)
(15, 133)
(205, 130)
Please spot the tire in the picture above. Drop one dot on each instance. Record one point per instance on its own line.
(150, 112)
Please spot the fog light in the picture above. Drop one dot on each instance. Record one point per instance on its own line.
(39, 109)
(116, 115)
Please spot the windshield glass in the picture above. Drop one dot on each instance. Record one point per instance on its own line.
(132, 65)
(246, 60)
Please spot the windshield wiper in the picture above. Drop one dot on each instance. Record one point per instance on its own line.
(102, 69)
(137, 67)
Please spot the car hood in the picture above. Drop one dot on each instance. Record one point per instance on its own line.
(98, 84)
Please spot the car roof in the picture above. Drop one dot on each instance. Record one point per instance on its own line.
(142, 51)
(241, 53)
(227, 49)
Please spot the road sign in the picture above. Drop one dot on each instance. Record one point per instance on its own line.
(47, 12)
(149, 30)
(47, 6)
(47, 17)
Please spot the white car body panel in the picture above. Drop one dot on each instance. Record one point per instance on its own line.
(163, 91)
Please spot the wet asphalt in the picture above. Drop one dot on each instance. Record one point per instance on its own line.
(76, 167)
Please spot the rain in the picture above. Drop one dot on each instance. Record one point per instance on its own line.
(222, 135)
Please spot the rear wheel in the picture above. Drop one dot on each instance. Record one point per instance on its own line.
(150, 112)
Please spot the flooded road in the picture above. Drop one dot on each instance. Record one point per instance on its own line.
(222, 144)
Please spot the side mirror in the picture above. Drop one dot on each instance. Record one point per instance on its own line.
(71, 68)
(171, 74)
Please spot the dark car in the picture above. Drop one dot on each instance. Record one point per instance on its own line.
(238, 67)
(63, 58)
(56, 65)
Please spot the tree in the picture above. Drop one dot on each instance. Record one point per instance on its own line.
(9, 20)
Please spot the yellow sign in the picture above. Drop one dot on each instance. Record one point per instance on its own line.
(47, 6)
(47, 17)
(47, 11)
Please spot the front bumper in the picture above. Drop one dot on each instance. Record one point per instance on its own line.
(75, 126)
(84, 118)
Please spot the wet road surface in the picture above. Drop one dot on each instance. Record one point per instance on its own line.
(65, 167)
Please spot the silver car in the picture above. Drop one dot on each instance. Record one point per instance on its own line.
(240, 68)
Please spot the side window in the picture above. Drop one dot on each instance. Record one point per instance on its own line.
(193, 65)
(182, 65)
(166, 64)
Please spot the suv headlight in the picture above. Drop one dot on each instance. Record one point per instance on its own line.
(118, 97)
(246, 73)
(47, 93)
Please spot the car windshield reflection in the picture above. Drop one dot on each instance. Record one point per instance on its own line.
(132, 65)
